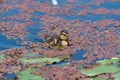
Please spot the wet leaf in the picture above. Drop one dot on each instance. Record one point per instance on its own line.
(110, 61)
(36, 55)
(97, 79)
(117, 76)
(26, 75)
(100, 70)
(2, 56)
(64, 57)
(45, 59)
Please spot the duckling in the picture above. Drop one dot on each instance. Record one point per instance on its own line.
(54, 40)
(51, 39)
(64, 38)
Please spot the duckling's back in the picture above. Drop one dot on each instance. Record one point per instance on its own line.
(52, 39)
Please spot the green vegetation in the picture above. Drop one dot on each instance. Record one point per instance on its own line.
(100, 70)
(64, 57)
(31, 55)
(117, 76)
(110, 61)
(26, 75)
(105, 66)
(2, 56)
(97, 79)
(39, 60)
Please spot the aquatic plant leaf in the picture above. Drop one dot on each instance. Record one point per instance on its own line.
(110, 61)
(1, 60)
(64, 57)
(97, 79)
(26, 75)
(81, 66)
(45, 59)
(35, 55)
(100, 70)
(117, 76)
(2, 56)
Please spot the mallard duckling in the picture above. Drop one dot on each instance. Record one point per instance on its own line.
(53, 40)
(64, 38)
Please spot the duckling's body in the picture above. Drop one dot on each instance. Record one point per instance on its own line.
(64, 43)
(52, 39)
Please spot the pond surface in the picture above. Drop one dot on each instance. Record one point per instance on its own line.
(33, 29)
(93, 26)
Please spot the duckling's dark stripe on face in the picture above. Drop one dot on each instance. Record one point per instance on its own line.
(65, 34)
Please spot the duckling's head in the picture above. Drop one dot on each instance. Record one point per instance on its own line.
(64, 35)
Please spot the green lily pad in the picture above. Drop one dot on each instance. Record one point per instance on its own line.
(38, 60)
(2, 56)
(35, 55)
(100, 70)
(117, 76)
(81, 66)
(97, 79)
(26, 75)
(1, 60)
(110, 61)
(64, 57)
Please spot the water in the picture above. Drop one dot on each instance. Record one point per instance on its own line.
(33, 29)
(79, 55)
(10, 76)
(7, 43)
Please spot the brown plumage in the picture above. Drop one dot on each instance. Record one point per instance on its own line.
(52, 39)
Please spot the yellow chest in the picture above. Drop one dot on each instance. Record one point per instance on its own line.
(64, 43)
